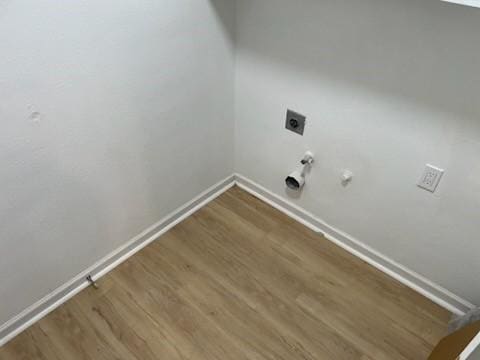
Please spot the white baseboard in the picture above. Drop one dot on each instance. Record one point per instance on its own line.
(59, 296)
(62, 294)
(415, 281)
(470, 349)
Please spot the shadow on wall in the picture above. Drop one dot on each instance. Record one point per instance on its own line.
(225, 16)
(427, 51)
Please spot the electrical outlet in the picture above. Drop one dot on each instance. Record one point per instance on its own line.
(295, 122)
(431, 178)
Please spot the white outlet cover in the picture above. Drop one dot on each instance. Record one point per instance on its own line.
(431, 178)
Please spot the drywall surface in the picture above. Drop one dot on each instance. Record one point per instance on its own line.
(113, 114)
(387, 87)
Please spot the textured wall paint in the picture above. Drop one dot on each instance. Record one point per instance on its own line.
(387, 86)
(113, 113)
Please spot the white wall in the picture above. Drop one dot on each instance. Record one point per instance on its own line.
(113, 114)
(387, 86)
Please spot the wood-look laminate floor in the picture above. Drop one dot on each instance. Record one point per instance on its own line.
(238, 280)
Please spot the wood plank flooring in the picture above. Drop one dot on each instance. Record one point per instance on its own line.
(238, 280)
